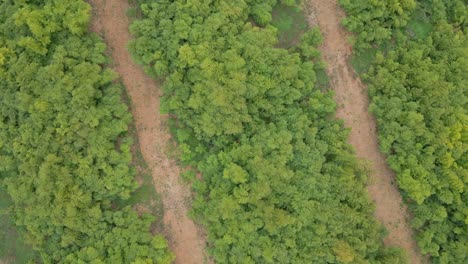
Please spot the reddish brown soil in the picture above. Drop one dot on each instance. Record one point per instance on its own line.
(352, 99)
(186, 239)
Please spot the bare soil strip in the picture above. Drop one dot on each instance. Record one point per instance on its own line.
(186, 239)
(352, 99)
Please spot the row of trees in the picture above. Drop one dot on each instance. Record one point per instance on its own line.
(419, 96)
(64, 156)
(280, 184)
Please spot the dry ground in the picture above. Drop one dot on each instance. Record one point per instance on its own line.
(352, 99)
(186, 239)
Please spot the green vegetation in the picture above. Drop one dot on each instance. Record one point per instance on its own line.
(420, 26)
(374, 21)
(64, 149)
(145, 196)
(291, 24)
(280, 183)
(419, 96)
(12, 247)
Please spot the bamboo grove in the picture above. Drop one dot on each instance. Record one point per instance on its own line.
(64, 153)
(275, 180)
(279, 182)
(418, 86)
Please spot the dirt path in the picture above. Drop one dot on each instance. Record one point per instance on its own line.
(186, 239)
(351, 96)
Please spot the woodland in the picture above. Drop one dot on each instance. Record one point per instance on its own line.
(273, 176)
(417, 77)
(280, 184)
(64, 149)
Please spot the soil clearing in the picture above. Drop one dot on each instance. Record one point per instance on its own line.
(352, 99)
(186, 239)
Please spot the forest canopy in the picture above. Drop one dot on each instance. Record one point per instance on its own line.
(64, 153)
(418, 86)
(280, 184)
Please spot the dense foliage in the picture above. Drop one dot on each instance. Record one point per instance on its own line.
(373, 21)
(280, 183)
(419, 96)
(63, 155)
(12, 246)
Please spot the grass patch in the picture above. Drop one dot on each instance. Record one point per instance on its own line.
(12, 247)
(291, 24)
(132, 13)
(420, 26)
(323, 82)
(145, 198)
(362, 61)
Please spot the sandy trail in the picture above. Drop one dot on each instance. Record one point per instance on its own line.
(352, 99)
(186, 239)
